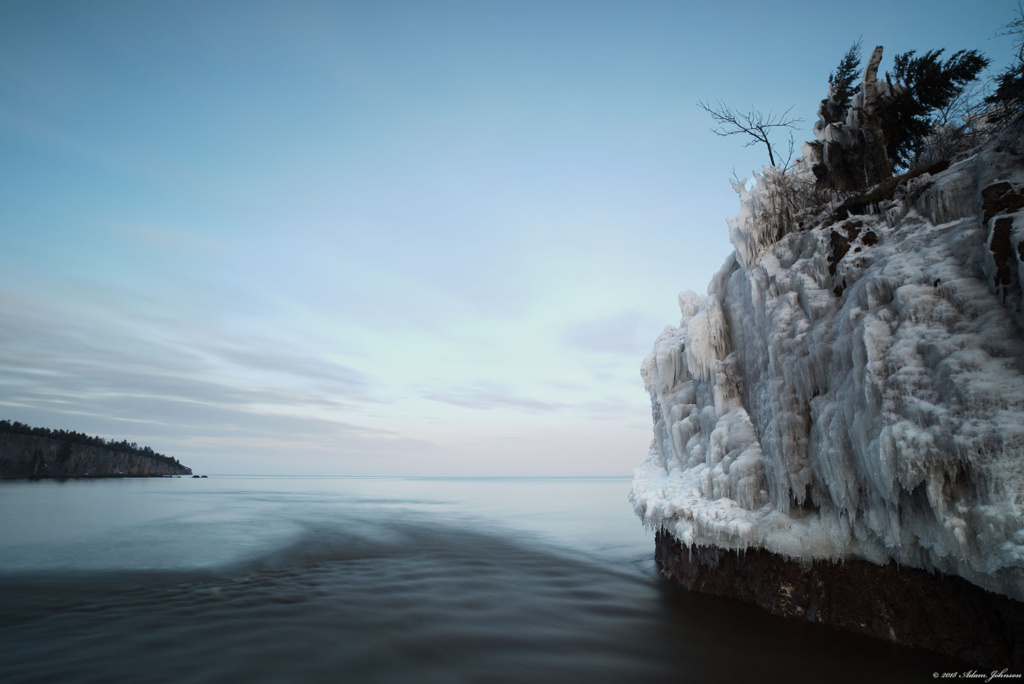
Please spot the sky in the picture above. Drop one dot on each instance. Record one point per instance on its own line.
(385, 238)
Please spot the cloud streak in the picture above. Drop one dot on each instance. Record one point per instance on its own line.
(489, 396)
(628, 333)
(103, 378)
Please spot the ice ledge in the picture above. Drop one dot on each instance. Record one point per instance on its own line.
(673, 503)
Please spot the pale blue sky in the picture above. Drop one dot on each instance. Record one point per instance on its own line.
(383, 237)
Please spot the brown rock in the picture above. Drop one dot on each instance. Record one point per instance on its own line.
(913, 607)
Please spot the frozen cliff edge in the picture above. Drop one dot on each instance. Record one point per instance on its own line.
(853, 390)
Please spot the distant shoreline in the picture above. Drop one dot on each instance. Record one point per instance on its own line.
(40, 453)
(63, 478)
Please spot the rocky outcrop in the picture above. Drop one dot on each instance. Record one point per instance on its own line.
(999, 202)
(839, 421)
(31, 456)
(850, 154)
(912, 607)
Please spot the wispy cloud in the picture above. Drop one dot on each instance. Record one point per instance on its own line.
(486, 396)
(629, 332)
(168, 238)
(103, 373)
(337, 377)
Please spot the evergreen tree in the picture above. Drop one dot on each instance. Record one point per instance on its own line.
(920, 86)
(842, 85)
(1009, 94)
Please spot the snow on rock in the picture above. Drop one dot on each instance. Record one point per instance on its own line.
(855, 389)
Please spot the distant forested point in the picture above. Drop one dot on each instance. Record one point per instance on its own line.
(27, 451)
(124, 446)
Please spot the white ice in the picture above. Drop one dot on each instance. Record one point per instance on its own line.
(883, 423)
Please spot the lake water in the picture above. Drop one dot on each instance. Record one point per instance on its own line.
(270, 579)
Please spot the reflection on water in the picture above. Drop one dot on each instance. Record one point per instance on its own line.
(374, 580)
(185, 523)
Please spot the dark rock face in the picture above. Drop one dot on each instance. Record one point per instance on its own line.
(1000, 198)
(999, 202)
(840, 244)
(29, 456)
(913, 607)
(850, 151)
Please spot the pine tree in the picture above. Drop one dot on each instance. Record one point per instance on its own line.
(1009, 94)
(842, 84)
(921, 85)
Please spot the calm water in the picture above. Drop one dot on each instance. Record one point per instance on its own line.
(260, 579)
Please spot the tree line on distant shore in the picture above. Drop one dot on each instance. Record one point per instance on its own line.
(124, 446)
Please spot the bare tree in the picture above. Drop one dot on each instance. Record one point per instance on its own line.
(966, 106)
(1015, 30)
(754, 123)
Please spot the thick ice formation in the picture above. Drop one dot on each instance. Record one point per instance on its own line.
(853, 390)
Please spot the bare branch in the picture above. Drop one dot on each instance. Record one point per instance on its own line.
(1015, 30)
(754, 123)
(968, 103)
(736, 180)
(789, 153)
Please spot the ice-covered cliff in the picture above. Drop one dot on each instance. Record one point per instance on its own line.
(852, 384)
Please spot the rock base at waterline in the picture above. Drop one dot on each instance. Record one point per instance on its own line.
(944, 614)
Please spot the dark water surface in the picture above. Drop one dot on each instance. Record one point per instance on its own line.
(259, 579)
